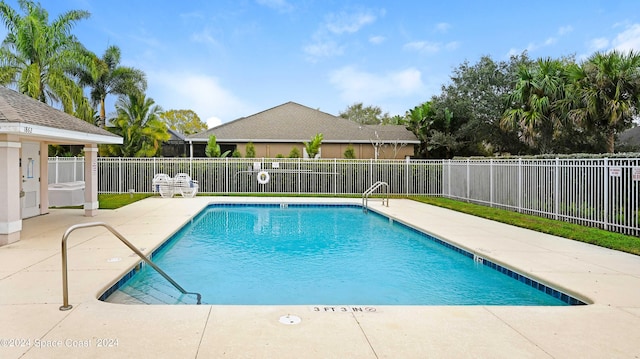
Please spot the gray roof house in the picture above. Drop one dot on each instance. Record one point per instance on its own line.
(27, 127)
(277, 130)
(629, 140)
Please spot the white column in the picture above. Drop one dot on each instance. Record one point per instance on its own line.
(90, 180)
(10, 210)
(44, 178)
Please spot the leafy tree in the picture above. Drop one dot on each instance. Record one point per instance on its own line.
(36, 56)
(251, 150)
(294, 153)
(139, 125)
(605, 93)
(395, 120)
(349, 152)
(106, 76)
(183, 121)
(444, 138)
(213, 148)
(369, 115)
(313, 146)
(477, 95)
(236, 153)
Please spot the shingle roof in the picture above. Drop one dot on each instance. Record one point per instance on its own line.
(175, 135)
(19, 108)
(292, 122)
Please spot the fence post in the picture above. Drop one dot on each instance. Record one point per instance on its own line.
(335, 177)
(556, 194)
(226, 171)
(468, 192)
(57, 164)
(406, 174)
(299, 176)
(119, 174)
(605, 193)
(519, 185)
(491, 182)
(75, 158)
(370, 173)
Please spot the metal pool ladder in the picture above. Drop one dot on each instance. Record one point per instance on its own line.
(65, 285)
(370, 190)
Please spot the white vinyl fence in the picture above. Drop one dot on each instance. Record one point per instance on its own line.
(601, 193)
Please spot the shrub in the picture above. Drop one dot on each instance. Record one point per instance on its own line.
(251, 150)
(350, 152)
(213, 148)
(295, 153)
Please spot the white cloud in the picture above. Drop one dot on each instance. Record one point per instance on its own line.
(427, 47)
(204, 37)
(376, 40)
(629, 39)
(533, 46)
(280, 5)
(202, 94)
(325, 43)
(598, 44)
(443, 27)
(344, 22)
(423, 46)
(323, 49)
(453, 45)
(359, 86)
(565, 30)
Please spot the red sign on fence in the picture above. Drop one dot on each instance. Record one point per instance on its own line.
(615, 171)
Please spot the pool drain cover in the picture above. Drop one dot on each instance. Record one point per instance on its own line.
(290, 319)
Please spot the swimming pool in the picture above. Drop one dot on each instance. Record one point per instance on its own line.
(321, 254)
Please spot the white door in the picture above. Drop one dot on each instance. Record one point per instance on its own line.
(30, 163)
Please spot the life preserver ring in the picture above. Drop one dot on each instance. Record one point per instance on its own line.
(263, 177)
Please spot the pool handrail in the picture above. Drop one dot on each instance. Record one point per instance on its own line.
(370, 190)
(65, 285)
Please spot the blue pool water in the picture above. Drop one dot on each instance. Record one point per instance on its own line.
(330, 255)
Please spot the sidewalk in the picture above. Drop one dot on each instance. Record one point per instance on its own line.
(33, 327)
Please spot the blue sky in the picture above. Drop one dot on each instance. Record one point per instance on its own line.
(229, 59)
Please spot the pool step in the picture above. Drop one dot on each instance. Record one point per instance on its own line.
(121, 297)
(156, 294)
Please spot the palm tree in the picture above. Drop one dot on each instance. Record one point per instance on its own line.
(106, 76)
(36, 55)
(535, 104)
(140, 127)
(605, 93)
(420, 121)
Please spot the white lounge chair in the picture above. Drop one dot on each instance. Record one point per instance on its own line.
(163, 184)
(184, 185)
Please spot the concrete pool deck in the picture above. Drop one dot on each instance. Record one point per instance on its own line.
(31, 326)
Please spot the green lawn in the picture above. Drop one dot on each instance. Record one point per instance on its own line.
(629, 244)
(576, 232)
(117, 200)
